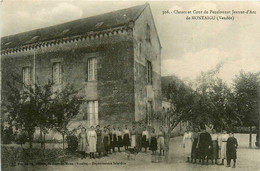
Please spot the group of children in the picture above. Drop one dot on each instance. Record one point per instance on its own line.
(98, 141)
(203, 146)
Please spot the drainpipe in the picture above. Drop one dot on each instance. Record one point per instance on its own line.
(34, 68)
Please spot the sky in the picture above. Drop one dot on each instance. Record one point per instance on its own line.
(188, 47)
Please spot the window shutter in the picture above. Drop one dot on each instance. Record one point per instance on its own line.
(146, 73)
(95, 68)
(151, 70)
(23, 70)
(60, 73)
(86, 71)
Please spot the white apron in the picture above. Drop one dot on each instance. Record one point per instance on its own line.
(92, 140)
(223, 150)
(187, 141)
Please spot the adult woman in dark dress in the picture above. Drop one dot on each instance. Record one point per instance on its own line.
(195, 150)
(83, 142)
(153, 142)
(114, 139)
(145, 138)
(139, 132)
(110, 137)
(119, 138)
(126, 138)
(106, 140)
(100, 145)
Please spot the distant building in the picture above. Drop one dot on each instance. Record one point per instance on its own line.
(114, 57)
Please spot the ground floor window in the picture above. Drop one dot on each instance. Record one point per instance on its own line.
(93, 112)
(149, 109)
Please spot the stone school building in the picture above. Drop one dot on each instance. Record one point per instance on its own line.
(114, 58)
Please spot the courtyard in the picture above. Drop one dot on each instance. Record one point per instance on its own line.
(248, 159)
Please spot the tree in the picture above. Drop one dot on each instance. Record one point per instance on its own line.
(64, 108)
(33, 105)
(183, 99)
(22, 108)
(45, 97)
(247, 96)
(217, 105)
(208, 101)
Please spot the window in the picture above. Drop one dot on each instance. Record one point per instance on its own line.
(148, 34)
(139, 49)
(149, 112)
(27, 75)
(56, 73)
(93, 112)
(149, 72)
(92, 69)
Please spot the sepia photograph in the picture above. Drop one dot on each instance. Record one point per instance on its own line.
(130, 85)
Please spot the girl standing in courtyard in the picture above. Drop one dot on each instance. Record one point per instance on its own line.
(119, 135)
(214, 137)
(195, 150)
(145, 138)
(106, 140)
(161, 136)
(92, 140)
(231, 149)
(223, 146)
(139, 132)
(114, 139)
(110, 138)
(153, 142)
(83, 142)
(126, 138)
(187, 143)
(133, 137)
(100, 145)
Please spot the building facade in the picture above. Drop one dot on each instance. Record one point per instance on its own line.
(113, 58)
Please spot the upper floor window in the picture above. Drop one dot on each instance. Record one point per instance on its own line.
(139, 49)
(27, 75)
(92, 69)
(148, 34)
(149, 72)
(56, 73)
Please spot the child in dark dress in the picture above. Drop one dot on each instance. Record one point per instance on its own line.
(114, 139)
(153, 141)
(110, 137)
(145, 138)
(231, 150)
(126, 137)
(119, 138)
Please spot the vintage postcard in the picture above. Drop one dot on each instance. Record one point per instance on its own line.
(130, 85)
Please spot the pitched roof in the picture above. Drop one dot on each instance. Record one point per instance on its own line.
(76, 27)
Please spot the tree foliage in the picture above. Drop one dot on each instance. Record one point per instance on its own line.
(247, 96)
(65, 106)
(216, 105)
(32, 106)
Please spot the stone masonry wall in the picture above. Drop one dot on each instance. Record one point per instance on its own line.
(115, 91)
(146, 49)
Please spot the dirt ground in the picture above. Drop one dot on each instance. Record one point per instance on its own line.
(248, 159)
